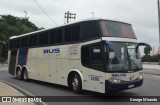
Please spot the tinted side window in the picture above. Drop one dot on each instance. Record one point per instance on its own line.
(33, 40)
(117, 29)
(76, 33)
(59, 36)
(52, 37)
(90, 30)
(43, 38)
(93, 56)
(85, 55)
(67, 34)
(96, 55)
(17, 43)
(11, 44)
(24, 41)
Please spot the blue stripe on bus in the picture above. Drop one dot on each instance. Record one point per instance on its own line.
(22, 57)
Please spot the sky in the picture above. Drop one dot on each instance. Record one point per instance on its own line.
(142, 14)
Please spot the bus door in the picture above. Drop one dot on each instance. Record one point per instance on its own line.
(93, 66)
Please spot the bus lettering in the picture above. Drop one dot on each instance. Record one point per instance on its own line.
(119, 75)
(95, 78)
(51, 51)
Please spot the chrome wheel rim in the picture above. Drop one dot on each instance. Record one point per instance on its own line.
(19, 74)
(25, 75)
(75, 83)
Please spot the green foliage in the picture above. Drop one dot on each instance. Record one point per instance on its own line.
(146, 51)
(148, 58)
(13, 26)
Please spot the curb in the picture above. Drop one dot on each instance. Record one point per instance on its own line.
(151, 73)
(24, 92)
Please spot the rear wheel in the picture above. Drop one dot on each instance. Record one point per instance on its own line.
(76, 83)
(19, 74)
(25, 75)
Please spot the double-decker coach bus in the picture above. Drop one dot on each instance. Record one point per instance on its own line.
(95, 54)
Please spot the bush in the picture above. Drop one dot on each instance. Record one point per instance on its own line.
(148, 58)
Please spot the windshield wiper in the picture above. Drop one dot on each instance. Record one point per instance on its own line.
(132, 61)
(127, 60)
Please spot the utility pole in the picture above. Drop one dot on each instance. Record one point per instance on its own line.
(69, 16)
(159, 25)
(25, 17)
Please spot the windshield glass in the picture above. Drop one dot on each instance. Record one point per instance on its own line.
(117, 29)
(125, 58)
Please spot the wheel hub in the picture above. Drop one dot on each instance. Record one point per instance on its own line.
(75, 83)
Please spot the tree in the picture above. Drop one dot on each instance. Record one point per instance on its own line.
(146, 51)
(2, 37)
(13, 26)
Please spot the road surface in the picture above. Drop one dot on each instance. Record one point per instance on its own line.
(150, 87)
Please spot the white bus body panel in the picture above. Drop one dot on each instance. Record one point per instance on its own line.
(55, 67)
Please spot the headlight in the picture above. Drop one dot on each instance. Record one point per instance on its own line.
(113, 80)
(140, 77)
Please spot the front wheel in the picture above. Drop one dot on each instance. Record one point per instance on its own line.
(76, 83)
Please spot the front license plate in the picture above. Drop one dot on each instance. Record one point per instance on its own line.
(131, 86)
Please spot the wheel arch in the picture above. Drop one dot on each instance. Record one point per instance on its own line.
(18, 67)
(24, 68)
(71, 72)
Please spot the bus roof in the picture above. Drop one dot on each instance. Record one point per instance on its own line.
(84, 20)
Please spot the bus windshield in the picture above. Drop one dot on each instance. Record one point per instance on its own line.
(116, 29)
(125, 58)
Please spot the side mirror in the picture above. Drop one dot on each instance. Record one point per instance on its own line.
(143, 44)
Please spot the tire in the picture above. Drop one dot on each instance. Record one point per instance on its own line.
(76, 83)
(19, 74)
(25, 75)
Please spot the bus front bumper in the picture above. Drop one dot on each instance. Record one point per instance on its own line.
(113, 87)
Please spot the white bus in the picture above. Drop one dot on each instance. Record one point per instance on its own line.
(95, 54)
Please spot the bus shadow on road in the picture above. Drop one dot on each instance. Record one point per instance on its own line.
(86, 96)
(85, 92)
(46, 84)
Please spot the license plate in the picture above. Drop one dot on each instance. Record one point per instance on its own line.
(130, 86)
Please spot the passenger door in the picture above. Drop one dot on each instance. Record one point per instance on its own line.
(92, 57)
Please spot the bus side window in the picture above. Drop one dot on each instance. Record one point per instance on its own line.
(96, 55)
(24, 41)
(90, 30)
(67, 34)
(52, 37)
(76, 33)
(72, 34)
(92, 56)
(59, 36)
(85, 55)
(33, 40)
(17, 43)
(43, 38)
(11, 43)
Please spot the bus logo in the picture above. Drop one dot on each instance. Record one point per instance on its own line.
(51, 51)
(118, 75)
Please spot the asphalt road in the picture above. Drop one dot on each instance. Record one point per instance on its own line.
(150, 87)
